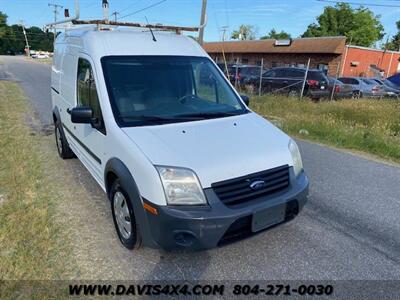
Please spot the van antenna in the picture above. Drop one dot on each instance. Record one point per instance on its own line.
(151, 30)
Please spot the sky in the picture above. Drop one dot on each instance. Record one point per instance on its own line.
(293, 16)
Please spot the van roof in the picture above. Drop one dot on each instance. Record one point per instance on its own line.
(99, 43)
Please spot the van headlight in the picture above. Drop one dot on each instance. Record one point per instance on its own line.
(181, 186)
(297, 162)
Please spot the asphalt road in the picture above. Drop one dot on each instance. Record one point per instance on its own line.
(350, 228)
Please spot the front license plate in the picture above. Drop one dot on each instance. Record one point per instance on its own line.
(322, 87)
(268, 217)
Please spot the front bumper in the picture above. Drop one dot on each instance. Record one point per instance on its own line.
(217, 224)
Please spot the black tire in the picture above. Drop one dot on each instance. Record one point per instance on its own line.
(63, 149)
(131, 239)
(357, 95)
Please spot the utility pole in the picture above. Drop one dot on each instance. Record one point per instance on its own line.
(106, 9)
(55, 11)
(224, 29)
(115, 14)
(202, 21)
(26, 38)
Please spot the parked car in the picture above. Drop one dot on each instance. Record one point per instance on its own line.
(183, 160)
(390, 88)
(41, 56)
(341, 90)
(363, 87)
(289, 80)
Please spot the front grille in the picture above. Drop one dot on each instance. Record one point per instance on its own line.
(236, 191)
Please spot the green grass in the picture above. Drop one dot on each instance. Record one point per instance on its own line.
(33, 245)
(371, 126)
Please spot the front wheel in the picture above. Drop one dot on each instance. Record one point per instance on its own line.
(124, 217)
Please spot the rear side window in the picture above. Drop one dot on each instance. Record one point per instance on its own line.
(368, 81)
(271, 73)
(316, 75)
(281, 73)
(250, 71)
(349, 81)
(295, 73)
(354, 81)
(86, 88)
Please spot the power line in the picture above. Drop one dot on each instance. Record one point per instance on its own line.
(130, 5)
(140, 10)
(115, 14)
(358, 3)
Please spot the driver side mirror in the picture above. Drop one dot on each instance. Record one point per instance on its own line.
(81, 115)
(245, 99)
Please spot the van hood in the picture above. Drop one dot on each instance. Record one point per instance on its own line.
(215, 149)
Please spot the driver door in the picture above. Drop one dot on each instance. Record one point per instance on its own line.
(91, 138)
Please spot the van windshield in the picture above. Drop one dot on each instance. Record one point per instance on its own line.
(151, 90)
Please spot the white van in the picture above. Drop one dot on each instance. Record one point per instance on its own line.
(183, 160)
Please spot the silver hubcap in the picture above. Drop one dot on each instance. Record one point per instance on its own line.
(122, 216)
(59, 140)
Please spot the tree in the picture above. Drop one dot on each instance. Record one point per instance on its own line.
(273, 34)
(245, 32)
(394, 44)
(359, 25)
(12, 38)
(3, 31)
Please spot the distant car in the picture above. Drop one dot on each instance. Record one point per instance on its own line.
(389, 87)
(363, 87)
(239, 73)
(341, 90)
(289, 80)
(41, 56)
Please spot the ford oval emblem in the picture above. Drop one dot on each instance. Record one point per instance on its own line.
(257, 185)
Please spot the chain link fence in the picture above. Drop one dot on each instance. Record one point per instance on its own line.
(298, 81)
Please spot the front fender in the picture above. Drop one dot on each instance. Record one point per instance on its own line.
(119, 169)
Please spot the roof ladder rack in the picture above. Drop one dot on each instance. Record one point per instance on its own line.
(75, 21)
(177, 29)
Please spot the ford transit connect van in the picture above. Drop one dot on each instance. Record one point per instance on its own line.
(183, 160)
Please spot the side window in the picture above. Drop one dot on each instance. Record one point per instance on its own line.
(86, 89)
(354, 81)
(271, 73)
(281, 73)
(296, 74)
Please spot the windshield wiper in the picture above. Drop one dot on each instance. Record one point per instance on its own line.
(209, 115)
(159, 119)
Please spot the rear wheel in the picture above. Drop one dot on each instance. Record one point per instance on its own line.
(124, 217)
(357, 95)
(63, 149)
